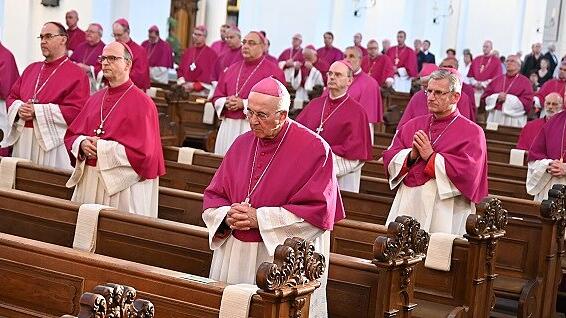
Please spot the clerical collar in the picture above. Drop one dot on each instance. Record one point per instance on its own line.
(356, 73)
(120, 88)
(453, 114)
(56, 62)
(425, 52)
(337, 98)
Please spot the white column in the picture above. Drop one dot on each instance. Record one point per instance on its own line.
(450, 32)
(215, 17)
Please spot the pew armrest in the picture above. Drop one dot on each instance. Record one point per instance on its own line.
(527, 300)
(458, 312)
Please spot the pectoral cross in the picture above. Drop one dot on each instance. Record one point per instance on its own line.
(319, 129)
(246, 201)
(482, 67)
(99, 131)
(396, 60)
(193, 66)
(32, 101)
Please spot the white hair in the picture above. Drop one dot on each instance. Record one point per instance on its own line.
(285, 98)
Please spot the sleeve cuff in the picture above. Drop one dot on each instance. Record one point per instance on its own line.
(197, 86)
(429, 168)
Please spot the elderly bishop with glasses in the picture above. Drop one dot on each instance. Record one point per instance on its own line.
(44, 101)
(438, 161)
(114, 143)
(231, 94)
(275, 182)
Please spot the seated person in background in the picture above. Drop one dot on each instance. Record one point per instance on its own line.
(553, 104)
(546, 156)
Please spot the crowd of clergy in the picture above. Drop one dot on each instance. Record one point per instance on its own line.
(85, 108)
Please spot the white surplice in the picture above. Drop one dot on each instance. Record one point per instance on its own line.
(539, 181)
(402, 82)
(302, 92)
(43, 143)
(159, 74)
(113, 181)
(236, 262)
(229, 129)
(512, 112)
(348, 173)
(437, 205)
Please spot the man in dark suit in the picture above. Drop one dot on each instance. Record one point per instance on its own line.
(424, 56)
(532, 60)
(551, 56)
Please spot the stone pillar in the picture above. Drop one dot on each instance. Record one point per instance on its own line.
(215, 17)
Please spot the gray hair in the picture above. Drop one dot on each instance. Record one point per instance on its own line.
(355, 49)
(285, 98)
(455, 85)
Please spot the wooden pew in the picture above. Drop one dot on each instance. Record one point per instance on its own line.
(351, 237)
(506, 136)
(60, 275)
(494, 154)
(189, 112)
(184, 248)
(506, 180)
(375, 169)
(113, 300)
(167, 124)
(466, 290)
(376, 212)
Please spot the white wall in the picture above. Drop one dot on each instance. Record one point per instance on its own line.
(510, 24)
(21, 21)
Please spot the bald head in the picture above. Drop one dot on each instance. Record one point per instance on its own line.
(297, 40)
(487, 47)
(512, 64)
(116, 63)
(72, 18)
(358, 39)
(339, 78)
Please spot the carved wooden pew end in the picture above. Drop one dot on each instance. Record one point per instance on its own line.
(113, 300)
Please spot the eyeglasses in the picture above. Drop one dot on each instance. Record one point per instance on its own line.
(337, 75)
(48, 36)
(435, 93)
(110, 58)
(249, 43)
(260, 115)
(552, 103)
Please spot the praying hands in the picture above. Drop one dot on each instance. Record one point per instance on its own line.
(234, 103)
(242, 217)
(421, 146)
(26, 112)
(557, 168)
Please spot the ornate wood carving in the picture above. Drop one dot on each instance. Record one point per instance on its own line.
(554, 208)
(113, 301)
(184, 11)
(295, 263)
(490, 218)
(405, 239)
